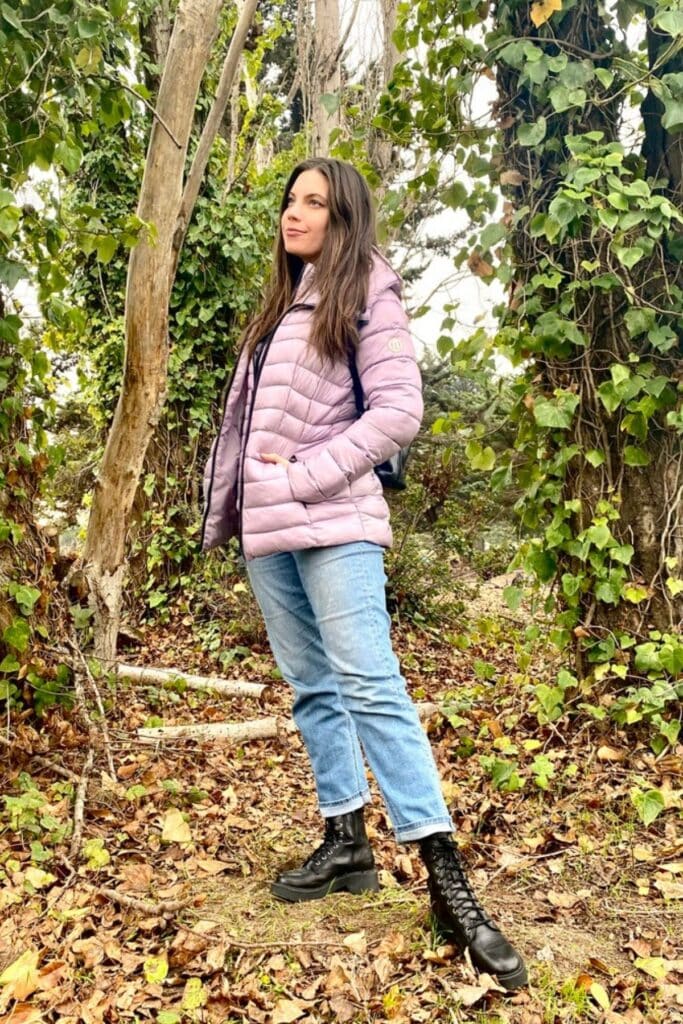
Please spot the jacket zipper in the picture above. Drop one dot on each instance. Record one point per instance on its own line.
(250, 412)
(226, 393)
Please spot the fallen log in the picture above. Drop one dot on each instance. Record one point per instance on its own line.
(239, 732)
(169, 676)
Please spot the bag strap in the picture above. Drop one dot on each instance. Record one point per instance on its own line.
(357, 386)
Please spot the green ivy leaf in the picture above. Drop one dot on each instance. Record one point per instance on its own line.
(492, 234)
(649, 804)
(619, 373)
(609, 396)
(634, 594)
(599, 535)
(69, 155)
(563, 98)
(670, 22)
(17, 635)
(9, 220)
(542, 563)
(194, 995)
(330, 102)
(557, 413)
(662, 338)
(96, 854)
(595, 457)
(156, 969)
(608, 218)
(608, 591)
(454, 196)
(628, 255)
(672, 118)
(106, 248)
(513, 597)
(9, 664)
(532, 134)
(605, 76)
(87, 27)
(618, 200)
(634, 456)
(25, 597)
(622, 553)
(639, 320)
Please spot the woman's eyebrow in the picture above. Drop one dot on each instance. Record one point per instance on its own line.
(311, 195)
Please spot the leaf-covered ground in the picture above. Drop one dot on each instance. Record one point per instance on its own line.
(166, 915)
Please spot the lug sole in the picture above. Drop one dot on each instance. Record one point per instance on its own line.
(355, 882)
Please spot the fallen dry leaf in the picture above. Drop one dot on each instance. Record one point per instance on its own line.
(287, 1010)
(337, 977)
(565, 900)
(469, 995)
(611, 754)
(243, 824)
(640, 947)
(672, 890)
(383, 967)
(21, 978)
(136, 877)
(342, 1009)
(600, 996)
(23, 1013)
(215, 958)
(600, 965)
(357, 943)
(211, 866)
(642, 853)
(675, 867)
(175, 829)
(393, 944)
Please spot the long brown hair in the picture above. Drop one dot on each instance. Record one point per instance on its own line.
(342, 269)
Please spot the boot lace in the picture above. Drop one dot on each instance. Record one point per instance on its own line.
(454, 885)
(329, 844)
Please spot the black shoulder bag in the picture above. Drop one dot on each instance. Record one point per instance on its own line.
(391, 473)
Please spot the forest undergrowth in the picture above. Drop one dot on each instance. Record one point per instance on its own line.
(166, 915)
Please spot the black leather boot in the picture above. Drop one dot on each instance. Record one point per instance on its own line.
(461, 919)
(344, 861)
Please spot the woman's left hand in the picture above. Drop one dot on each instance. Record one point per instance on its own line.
(271, 457)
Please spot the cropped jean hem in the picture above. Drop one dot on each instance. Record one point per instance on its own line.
(422, 829)
(353, 803)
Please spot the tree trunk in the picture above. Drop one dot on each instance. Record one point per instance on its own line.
(326, 75)
(381, 150)
(155, 37)
(647, 498)
(167, 205)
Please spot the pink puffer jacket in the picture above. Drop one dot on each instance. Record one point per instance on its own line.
(306, 412)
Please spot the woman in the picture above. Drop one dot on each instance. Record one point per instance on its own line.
(291, 474)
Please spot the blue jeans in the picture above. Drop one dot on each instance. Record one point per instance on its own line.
(328, 627)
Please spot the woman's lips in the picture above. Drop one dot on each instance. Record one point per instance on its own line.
(293, 232)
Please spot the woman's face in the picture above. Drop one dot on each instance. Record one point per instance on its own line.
(306, 216)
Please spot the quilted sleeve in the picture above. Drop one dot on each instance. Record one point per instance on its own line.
(391, 383)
